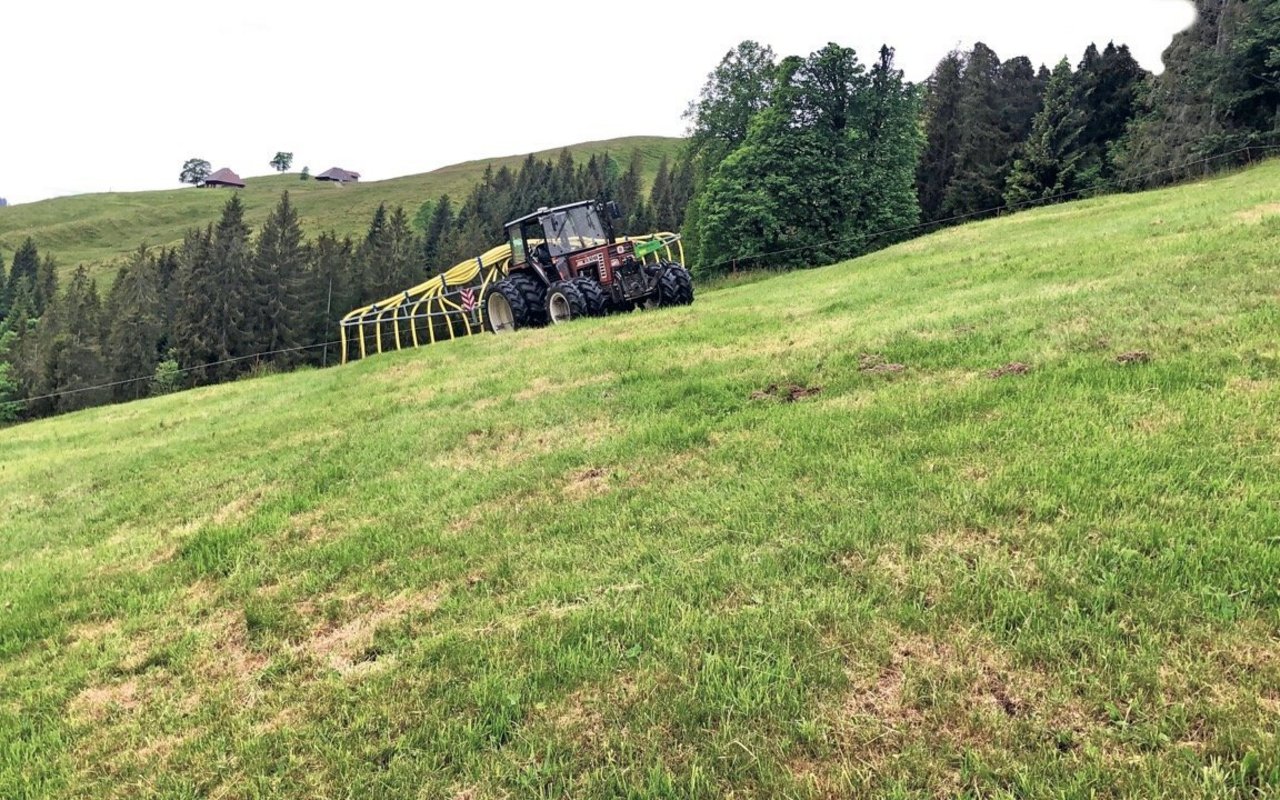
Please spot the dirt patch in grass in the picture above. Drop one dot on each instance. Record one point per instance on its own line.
(1158, 421)
(238, 508)
(230, 657)
(344, 647)
(1250, 386)
(1012, 368)
(92, 633)
(588, 483)
(959, 691)
(875, 364)
(495, 448)
(789, 393)
(1258, 212)
(1133, 357)
(542, 386)
(96, 702)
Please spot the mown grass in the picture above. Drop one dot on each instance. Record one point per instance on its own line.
(613, 560)
(98, 229)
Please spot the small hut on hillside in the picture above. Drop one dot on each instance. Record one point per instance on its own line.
(338, 175)
(223, 177)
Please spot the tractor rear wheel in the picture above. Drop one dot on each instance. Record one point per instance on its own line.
(505, 309)
(565, 303)
(593, 295)
(535, 298)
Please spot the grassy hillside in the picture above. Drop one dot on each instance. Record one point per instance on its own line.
(98, 228)
(993, 512)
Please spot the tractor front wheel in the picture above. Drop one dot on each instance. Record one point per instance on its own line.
(675, 286)
(564, 303)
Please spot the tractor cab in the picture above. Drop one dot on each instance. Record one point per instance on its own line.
(544, 240)
(566, 263)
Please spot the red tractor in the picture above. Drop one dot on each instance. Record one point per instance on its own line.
(566, 263)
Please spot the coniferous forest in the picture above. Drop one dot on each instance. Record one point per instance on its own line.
(791, 161)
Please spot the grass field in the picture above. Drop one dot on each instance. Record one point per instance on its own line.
(815, 536)
(97, 229)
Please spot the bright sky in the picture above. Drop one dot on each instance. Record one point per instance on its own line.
(100, 96)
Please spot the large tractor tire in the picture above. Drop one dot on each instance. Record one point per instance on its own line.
(534, 293)
(593, 295)
(505, 308)
(675, 286)
(564, 303)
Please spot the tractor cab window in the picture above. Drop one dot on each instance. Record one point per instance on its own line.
(517, 246)
(574, 229)
(531, 234)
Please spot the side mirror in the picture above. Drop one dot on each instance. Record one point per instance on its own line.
(614, 211)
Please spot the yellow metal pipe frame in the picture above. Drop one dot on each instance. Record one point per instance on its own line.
(477, 274)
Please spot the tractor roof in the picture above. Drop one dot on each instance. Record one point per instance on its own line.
(542, 212)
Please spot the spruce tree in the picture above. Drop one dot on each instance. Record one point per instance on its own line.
(329, 293)
(135, 326)
(982, 154)
(890, 142)
(564, 187)
(628, 193)
(278, 263)
(1054, 160)
(233, 265)
(46, 283)
(197, 339)
(435, 238)
(1107, 93)
(23, 275)
(406, 252)
(662, 197)
(942, 134)
(64, 354)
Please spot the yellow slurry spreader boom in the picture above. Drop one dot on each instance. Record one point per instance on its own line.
(558, 264)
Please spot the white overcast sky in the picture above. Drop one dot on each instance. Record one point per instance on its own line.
(101, 95)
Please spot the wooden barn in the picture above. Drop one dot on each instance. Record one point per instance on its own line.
(338, 175)
(223, 177)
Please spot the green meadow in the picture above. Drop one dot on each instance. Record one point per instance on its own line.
(992, 513)
(99, 229)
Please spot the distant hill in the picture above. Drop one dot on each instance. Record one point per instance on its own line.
(97, 229)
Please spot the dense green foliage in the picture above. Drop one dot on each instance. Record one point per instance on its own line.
(611, 560)
(1220, 92)
(802, 161)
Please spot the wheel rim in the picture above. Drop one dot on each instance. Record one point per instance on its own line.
(501, 318)
(558, 308)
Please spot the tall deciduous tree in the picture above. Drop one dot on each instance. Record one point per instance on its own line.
(195, 171)
(826, 165)
(736, 90)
